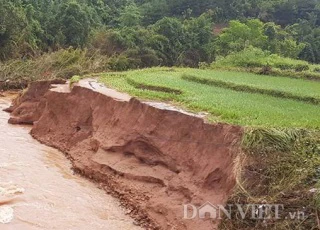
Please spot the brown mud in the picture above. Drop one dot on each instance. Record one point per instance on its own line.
(153, 158)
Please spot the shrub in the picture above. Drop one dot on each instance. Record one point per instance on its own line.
(203, 65)
(119, 63)
(75, 79)
(64, 63)
(266, 70)
(67, 57)
(301, 67)
(109, 42)
(252, 57)
(317, 70)
(284, 66)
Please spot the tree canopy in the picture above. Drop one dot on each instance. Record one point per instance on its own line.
(164, 32)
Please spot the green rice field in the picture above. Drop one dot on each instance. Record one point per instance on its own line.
(240, 106)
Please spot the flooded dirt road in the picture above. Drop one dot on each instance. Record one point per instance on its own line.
(39, 191)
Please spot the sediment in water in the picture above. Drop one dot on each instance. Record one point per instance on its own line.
(154, 160)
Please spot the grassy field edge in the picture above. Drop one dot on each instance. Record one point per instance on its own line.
(250, 89)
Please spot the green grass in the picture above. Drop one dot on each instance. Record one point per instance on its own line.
(297, 87)
(75, 79)
(224, 105)
(259, 61)
(250, 89)
(278, 166)
(63, 63)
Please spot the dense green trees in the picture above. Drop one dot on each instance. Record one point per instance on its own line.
(267, 36)
(141, 33)
(240, 35)
(307, 32)
(12, 24)
(130, 16)
(74, 24)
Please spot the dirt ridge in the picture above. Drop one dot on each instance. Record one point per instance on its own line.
(154, 160)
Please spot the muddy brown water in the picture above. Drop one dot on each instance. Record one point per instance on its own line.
(39, 191)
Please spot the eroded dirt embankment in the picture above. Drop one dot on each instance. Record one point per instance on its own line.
(154, 160)
(39, 191)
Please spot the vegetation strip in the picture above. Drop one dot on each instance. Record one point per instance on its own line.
(246, 88)
(265, 71)
(153, 87)
(286, 73)
(283, 169)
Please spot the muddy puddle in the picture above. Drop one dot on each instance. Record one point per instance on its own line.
(39, 191)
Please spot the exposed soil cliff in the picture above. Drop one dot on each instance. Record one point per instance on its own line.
(153, 159)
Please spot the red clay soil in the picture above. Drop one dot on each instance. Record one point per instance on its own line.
(153, 160)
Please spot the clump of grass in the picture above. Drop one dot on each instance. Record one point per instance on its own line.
(64, 64)
(281, 167)
(271, 139)
(75, 79)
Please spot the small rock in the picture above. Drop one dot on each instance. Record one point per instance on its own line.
(136, 223)
(129, 211)
(6, 215)
(314, 190)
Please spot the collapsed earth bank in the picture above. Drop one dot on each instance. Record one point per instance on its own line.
(153, 159)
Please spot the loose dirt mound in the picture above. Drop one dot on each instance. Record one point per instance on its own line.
(154, 160)
(29, 106)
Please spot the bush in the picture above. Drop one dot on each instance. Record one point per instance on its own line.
(64, 63)
(108, 42)
(67, 57)
(317, 70)
(284, 66)
(252, 57)
(75, 79)
(119, 63)
(70, 71)
(266, 70)
(301, 67)
(134, 58)
(203, 65)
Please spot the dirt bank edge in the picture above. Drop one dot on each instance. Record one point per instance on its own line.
(153, 160)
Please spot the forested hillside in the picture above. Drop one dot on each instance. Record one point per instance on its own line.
(143, 33)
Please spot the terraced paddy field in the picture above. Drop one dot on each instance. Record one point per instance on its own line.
(233, 97)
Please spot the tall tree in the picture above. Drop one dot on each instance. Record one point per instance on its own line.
(130, 16)
(74, 24)
(12, 22)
